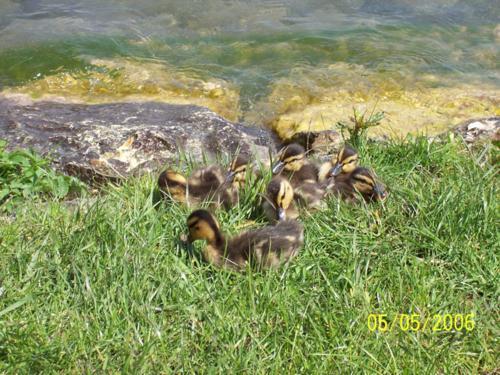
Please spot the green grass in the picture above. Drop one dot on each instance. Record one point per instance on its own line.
(107, 287)
(25, 174)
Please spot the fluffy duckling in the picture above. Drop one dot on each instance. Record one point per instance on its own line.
(266, 247)
(292, 164)
(236, 174)
(310, 195)
(234, 180)
(201, 186)
(278, 203)
(303, 176)
(361, 181)
(206, 184)
(344, 163)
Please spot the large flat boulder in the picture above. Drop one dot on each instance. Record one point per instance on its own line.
(113, 141)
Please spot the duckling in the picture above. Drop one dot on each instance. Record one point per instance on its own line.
(173, 185)
(310, 195)
(206, 184)
(292, 163)
(278, 203)
(234, 180)
(361, 181)
(344, 163)
(267, 247)
(202, 185)
(236, 174)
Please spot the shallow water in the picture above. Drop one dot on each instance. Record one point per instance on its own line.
(288, 64)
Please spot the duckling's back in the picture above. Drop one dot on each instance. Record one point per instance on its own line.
(310, 194)
(268, 247)
(308, 172)
(204, 180)
(341, 186)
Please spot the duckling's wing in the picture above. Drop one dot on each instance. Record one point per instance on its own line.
(310, 194)
(228, 196)
(309, 171)
(206, 181)
(211, 175)
(285, 240)
(341, 187)
(269, 246)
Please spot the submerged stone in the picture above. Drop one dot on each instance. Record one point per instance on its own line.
(316, 99)
(113, 141)
(115, 80)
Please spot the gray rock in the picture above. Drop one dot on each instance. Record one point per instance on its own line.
(113, 141)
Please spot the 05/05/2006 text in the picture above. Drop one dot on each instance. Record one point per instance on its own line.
(418, 322)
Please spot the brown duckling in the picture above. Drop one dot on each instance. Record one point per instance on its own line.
(310, 195)
(267, 247)
(206, 184)
(278, 203)
(363, 182)
(235, 180)
(292, 164)
(203, 185)
(237, 171)
(343, 163)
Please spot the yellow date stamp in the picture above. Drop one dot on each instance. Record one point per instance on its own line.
(419, 322)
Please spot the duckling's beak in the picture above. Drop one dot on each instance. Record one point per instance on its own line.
(230, 177)
(185, 239)
(281, 214)
(278, 167)
(190, 239)
(380, 191)
(335, 171)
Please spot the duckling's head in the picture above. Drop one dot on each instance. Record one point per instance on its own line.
(174, 184)
(365, 183)
(237, 170)
(203, 225)
(280, 194)
(290, 158)
(345, 161)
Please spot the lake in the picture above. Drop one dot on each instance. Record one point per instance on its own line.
(291, 65)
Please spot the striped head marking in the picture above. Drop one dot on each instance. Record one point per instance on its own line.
(174, 184)
(203, 225)
(237, 170)
(280, 194)
(290, 158)
(365, 183)
(175, 179)
(345, 161)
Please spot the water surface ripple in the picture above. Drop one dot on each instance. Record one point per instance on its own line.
(284, 63)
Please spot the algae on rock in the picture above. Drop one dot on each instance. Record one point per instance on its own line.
(119, 80)
(316, 99)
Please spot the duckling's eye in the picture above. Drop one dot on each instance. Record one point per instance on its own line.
(291, 160)
(280, 199)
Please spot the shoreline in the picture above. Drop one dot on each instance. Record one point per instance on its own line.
(115, 140)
